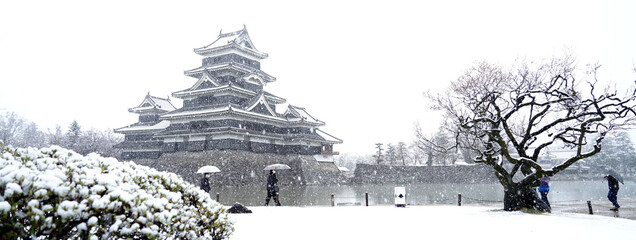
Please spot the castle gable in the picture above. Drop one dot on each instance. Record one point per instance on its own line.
(260, 105)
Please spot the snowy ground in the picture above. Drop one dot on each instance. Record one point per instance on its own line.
(420, 222)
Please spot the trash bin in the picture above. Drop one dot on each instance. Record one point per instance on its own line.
(400, 196)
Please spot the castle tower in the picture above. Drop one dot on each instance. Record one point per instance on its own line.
(228, 108)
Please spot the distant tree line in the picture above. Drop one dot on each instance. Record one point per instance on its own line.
(618, 153)
(436, 149)
(19, 132)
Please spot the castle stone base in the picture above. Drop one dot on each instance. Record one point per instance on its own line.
(243, 167)
(381, 174)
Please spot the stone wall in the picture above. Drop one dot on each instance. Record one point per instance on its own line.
(380, 174)
(243, 167)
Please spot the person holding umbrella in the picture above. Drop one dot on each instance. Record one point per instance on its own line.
(613, 191)
(205, 182)
(272, 188)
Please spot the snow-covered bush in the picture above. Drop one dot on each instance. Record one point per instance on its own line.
(55, 193)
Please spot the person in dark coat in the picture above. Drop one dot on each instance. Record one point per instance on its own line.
(272, 188)
(613, 191)
(544, 188)
(205, 182)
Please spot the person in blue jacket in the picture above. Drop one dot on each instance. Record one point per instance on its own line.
(544, 188)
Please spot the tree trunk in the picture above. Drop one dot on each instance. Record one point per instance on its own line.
(523, 196)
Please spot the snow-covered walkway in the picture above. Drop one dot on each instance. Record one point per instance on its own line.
(599, 207)
(422, 222)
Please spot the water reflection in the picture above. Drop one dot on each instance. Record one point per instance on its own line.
(417, 194)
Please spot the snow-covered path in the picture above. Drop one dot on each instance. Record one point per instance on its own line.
(421, 222)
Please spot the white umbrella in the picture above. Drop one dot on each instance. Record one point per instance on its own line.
(208, 169)
(616, 175)
(277, 166)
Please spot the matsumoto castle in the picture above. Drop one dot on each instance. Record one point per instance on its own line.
(226, 108)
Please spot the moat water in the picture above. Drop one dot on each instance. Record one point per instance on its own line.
(417, 194)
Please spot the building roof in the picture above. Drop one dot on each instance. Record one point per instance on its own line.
(144, 128)
(151, 103)
(199, 71)
(260, 99)
(328, 137)
(238, 39)
(295, 113)
(235, 111)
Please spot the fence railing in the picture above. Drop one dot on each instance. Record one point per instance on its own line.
(348, 200)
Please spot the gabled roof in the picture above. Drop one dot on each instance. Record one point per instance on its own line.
(258, 100)
(153, 103)
(238, 39)
(205, 81)
(301, 114)
(273, 98)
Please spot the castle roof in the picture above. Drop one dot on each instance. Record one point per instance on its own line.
(152, 103)
(199, 71)
(262, 101)
(237, 111)
(295, 113)
(144, 128)
(328, 137)
(238, 40)
(197, 90)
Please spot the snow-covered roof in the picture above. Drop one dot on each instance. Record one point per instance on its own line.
(300, 114)
(142, 128)
(260, 99)
(223, 88)
(234, 110)
(153, 103)
(205, 78)
(328, 137)
(238, 39)
(198, 72)
(324, 158)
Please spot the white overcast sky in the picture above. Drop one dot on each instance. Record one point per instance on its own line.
(360, 66)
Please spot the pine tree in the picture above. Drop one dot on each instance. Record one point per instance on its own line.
(73, 135)
(378, 156)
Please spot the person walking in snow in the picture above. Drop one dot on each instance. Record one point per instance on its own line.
(272, 188)
(544, 188)
(613, 191)
(205, 182)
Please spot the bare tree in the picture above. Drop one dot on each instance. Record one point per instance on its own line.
(510, 117)
(439, 148)
(424, 145)
(415, 154)
(55, 138)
